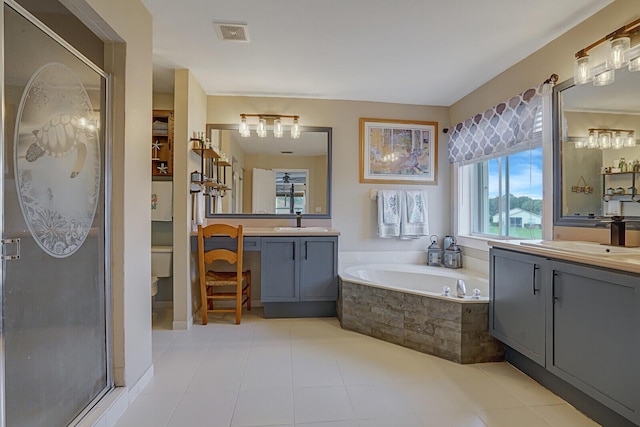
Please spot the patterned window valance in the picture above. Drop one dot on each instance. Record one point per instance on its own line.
(509, 127)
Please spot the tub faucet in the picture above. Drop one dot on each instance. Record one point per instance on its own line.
(461, 289)
(298, 219)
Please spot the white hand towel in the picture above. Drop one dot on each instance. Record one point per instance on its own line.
(200, 208)
(414, 222)
(161, 201)
(218, 202)
(388, 213)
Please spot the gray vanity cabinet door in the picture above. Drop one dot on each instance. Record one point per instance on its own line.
(279, 269)
(517, 302)
(319, 269)
(596, 334)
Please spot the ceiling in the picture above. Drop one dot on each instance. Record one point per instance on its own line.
(425, 52)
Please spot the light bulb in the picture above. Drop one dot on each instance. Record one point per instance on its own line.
(603, 75)
(633, 56)
(592, 141)
(295, 129)
(618, 141)
(262, 128)
(244, 128)
(580, 143)
(631, 140)
(605, 140)
(278, 131)
(617, 52)
(581, 74)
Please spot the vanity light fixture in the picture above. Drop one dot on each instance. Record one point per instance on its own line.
(620, 54)
(276, 121)
(608, 138)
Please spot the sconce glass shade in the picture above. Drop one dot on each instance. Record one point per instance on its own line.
(592, 141)
(602, 75)
(617, 50)
(244, 128)
(618, 141)
(630, 140)
(580, 143)
(295, 129)
(278, 130)
(581, 74)
(604, 140)
(262, 128)
(633, 56)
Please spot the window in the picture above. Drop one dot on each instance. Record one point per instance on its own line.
(291, 191)
(506, 196)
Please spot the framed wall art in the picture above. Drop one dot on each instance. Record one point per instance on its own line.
(398, 151)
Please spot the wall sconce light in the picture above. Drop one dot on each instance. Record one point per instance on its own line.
(608, 138)
(620, 54)
(261, 128)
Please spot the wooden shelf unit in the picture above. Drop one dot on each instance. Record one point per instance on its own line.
(213, 156)
(163, 138)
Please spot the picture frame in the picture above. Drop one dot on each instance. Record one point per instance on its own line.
(398, 151)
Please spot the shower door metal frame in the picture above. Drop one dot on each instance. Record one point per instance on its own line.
(107, 203)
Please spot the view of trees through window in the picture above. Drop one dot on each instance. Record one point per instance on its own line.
(519, 214)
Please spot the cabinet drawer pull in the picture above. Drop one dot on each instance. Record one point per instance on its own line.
(305, 250)
(535, 268)
(294, 251)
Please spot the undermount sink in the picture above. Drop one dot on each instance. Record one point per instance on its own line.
(302, 229)
(587, 248)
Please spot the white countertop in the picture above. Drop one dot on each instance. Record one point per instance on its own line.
(629, 263)
(290, 231)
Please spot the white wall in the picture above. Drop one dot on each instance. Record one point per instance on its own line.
(353, 212)
(131, 216)
(190, 115)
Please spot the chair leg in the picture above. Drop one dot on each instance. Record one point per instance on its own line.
(205, 302)
(249, 290)
(239, 304)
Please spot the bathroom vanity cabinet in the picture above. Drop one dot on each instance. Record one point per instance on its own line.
(299, 275)
(517, 306)
(581, 323)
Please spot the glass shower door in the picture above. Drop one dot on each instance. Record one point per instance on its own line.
(54, 289)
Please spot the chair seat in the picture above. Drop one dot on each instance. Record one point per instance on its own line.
(224, 278)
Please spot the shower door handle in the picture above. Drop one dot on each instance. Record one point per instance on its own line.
(10, 257)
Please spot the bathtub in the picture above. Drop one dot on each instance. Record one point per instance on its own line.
(404, 304)
(418, 279)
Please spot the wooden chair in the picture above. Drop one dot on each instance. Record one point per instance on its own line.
(223, 285)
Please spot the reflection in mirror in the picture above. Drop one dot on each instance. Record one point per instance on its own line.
(594, 173)
(272, 177)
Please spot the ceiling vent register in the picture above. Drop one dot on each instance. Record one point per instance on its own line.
(232, 32)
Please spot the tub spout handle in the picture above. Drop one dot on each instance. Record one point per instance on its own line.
(461, 289)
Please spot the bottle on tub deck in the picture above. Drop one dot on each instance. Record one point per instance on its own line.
(453, 255)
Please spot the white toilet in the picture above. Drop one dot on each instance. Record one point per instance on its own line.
(161, 265)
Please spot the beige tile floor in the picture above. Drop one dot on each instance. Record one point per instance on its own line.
(311, 373)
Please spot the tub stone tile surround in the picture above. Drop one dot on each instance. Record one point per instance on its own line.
(445, 328)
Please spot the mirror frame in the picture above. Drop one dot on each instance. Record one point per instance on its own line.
(560, 220)
(327, 215)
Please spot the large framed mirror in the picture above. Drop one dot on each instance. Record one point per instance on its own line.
(596, 152)
(271, 177)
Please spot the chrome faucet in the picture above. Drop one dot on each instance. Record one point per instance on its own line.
(298, 219)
